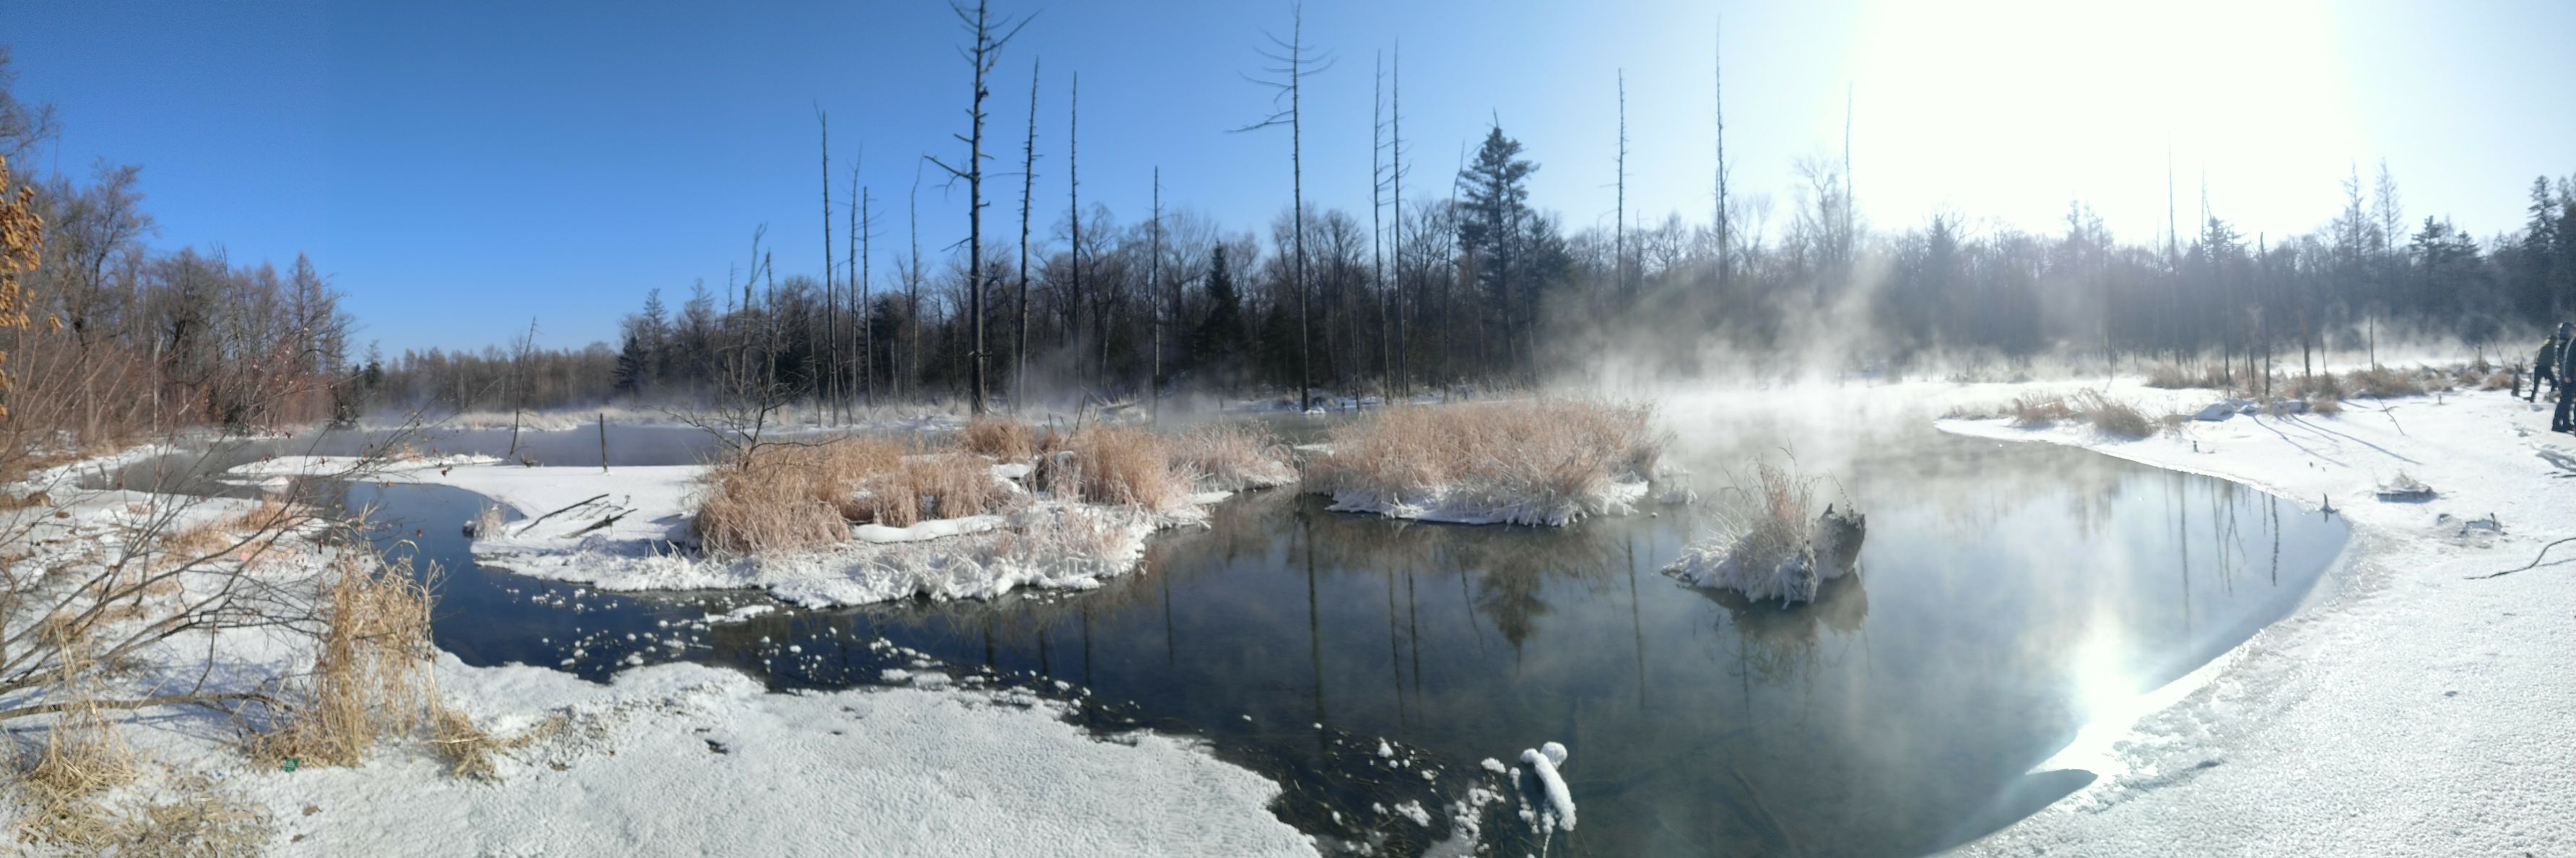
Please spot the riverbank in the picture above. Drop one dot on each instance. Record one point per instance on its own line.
(2413, 710)
(960, 766)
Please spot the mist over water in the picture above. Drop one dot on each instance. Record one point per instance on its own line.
(2007, 595)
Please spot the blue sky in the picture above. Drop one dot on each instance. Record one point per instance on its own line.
(460, 167)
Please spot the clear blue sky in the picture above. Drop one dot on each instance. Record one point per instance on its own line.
(459, 167)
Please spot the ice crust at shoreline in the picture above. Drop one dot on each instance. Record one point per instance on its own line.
(2412, 711)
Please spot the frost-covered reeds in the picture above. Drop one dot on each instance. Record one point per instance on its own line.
(1109, 463)
(805, 496)
(1545, 461)
(1770, 542)
(2110, 416)
(1232, 457)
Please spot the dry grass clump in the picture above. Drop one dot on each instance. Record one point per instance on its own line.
(790, 496)
(2323, 385)
(371, 665)
(1775, 516)
(800, 497)
(1544, 454)
(1771, 541)
(2033, 412)
(470, 749)
(1232, 457)
(928, 486)
(1007, 440)
(2108, 415)
(1113, 464)
(2168, 376)
(82, 757)
(2384, 382)
(2112, 416)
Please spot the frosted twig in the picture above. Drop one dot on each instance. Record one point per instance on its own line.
(2535, 561)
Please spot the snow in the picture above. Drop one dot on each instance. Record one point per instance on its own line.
(884, 771)
(933, 529)
(1543, 762)
(2407, 711)
(1462, 506)
(893, 771)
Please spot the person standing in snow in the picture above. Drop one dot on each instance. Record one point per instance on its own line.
(2564, 419)
(2546, 367)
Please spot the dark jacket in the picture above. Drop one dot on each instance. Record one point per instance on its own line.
(2547, 363)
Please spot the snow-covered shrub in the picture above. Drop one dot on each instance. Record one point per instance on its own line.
(1232, 457)
(1545, 461)
(1770, 544)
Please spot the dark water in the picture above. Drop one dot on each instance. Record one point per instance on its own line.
(2004, 591)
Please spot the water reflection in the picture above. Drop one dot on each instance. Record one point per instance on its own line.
(2005, 593)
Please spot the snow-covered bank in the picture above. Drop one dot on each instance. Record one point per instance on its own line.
(676, 759)
(2412, 711)
(1461, 506)
(681, 759)
(628, 528)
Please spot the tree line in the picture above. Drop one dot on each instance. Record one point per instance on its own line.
(105, 339)
(1474, 283)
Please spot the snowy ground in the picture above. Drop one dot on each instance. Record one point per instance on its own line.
(676, 759)
(2409, 711)
(2406, 710)
(681, 759)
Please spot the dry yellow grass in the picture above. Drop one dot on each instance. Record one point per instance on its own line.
(1112, 464)
(2108, 415)
(1231, 457)
(1007, 440)
(470, 749)
(801, 497)
(1545, 452)
(789, 497)
(370, 675)
(927, 486)
(2385, 381)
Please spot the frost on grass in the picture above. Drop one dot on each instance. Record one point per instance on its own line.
(1770, 543)
(1533, 462)
(862, 518)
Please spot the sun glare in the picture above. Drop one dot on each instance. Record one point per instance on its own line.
(2011, 108)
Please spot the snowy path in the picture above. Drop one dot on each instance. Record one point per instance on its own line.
(2412, 712)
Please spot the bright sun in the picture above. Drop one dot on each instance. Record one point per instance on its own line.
(2011, 108)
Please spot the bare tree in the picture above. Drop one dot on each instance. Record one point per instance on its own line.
(986, 51)
(1154, 288)
(831, 300)
(1028, 183)
(1722, 221)
(1073, 188)
(1290, 65)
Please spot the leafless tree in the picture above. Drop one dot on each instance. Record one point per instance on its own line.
(1290, 63)
(986, 50)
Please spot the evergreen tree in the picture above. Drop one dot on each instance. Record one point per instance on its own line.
(1214, 342)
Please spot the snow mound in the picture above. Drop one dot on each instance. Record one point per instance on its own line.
(1542, 781)
(1762, 567)
(1460, 505)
